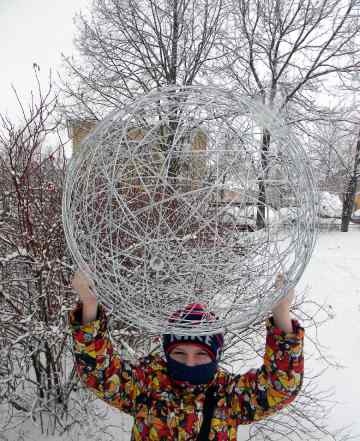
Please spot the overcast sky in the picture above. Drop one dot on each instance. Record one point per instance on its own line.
(33, 31)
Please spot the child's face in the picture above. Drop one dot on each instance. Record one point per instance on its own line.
(190, 355)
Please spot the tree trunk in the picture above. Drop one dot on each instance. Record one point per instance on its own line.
(349, 195)
(261, 205)
(174, 47)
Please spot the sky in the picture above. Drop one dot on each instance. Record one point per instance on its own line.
(35, 31)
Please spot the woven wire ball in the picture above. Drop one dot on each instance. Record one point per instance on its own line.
(191, 195)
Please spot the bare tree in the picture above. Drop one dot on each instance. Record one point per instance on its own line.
(351, 88)
(351, 186)
(335, 155)
(283, 52)
(130, 47)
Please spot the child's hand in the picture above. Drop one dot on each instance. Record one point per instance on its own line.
(84, 286)
(280, 281)
(285, 302)
(281, 311)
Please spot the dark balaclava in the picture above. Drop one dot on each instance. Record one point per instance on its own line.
(213, 344)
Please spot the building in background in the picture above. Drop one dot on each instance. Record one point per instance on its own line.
(78, 129)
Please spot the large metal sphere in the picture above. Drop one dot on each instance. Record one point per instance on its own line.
(190, 195)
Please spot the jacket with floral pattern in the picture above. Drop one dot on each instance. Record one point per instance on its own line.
(165, 410)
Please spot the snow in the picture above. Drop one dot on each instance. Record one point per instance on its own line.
(330, 210)
(21, 252)
(333, 277)
(288, 214)
(330, 205)
(247, 215)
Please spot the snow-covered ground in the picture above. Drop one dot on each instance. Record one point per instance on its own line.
(333, 277)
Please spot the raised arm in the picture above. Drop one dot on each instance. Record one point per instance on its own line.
(100, 368)
(84, 287)
(261, 392)
(281, 311)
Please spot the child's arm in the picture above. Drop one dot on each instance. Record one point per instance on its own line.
(84, 287)
(260, 393)
(281, 311)
(100, 368)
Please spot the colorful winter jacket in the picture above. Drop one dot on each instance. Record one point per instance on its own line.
(165, 410)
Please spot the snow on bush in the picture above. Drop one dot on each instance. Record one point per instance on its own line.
(247, 215)
(288, 214)
(330, 205)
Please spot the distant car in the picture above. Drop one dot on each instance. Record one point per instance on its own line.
(355, 217)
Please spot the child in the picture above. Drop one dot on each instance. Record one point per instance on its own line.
(187, 396)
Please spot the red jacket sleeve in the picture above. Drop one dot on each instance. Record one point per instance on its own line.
(261, 392)
(100, 368)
